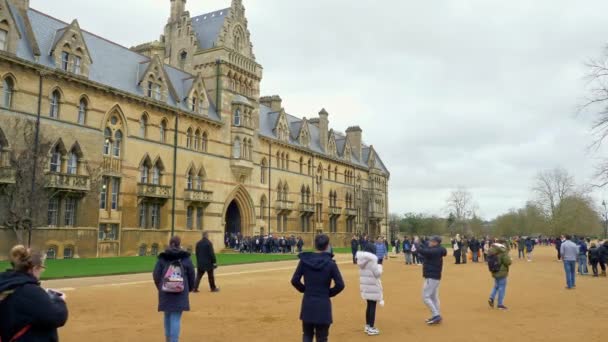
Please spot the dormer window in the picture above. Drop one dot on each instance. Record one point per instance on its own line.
(3, 39)
(65, 60)
(77, 65)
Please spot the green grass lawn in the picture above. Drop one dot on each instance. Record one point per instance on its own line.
(75, 268)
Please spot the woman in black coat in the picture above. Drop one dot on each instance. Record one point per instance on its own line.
(318, 270)
(173, 303)
(26, 310)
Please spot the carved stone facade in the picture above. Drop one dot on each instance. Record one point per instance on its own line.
(171, 134)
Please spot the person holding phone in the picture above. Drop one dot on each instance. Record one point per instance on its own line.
(27, 311)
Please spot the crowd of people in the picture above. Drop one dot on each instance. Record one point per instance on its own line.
(266, 244)
(31, 313)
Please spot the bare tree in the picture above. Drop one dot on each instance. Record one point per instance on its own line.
(597, 102)
(551, 187)
(461, 206)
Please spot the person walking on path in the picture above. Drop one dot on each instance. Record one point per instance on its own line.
(457, 247)
(205, 263)
(464, 250)
(499, 262)
(381, 250)
(354, 248)
(474, 246)
(521, 247)
(558, 246)
(431, 271)
(318, 270)
(174, 278)
(569, 254)
(27, 311)
(407, 250)
(370, 286)
(594, 258)
(582, 258)
(529, 248)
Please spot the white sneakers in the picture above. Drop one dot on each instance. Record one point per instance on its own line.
(371, 331)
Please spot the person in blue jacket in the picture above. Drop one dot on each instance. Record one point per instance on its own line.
(318, 270)
(381, 250)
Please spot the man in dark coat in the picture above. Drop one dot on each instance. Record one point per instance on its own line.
(474, 246)
(558, 246)
(205, 262)
(354, 247)
(173, 304)
(431, 271)
(318, 270)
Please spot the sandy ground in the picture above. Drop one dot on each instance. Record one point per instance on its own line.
(257, 303)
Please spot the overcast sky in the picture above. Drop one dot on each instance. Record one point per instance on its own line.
(475, 93)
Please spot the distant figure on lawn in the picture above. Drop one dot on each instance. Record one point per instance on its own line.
(174, 278)
(569, 253)
(431, 271)
(27, 311)
(206, 262)
(318, 270)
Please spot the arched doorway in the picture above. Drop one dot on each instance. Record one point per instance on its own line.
(233, 219)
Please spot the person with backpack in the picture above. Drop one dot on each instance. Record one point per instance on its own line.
(174, 278)
(354, 248)
(205, 263)
(431, 271)
(27, 311)
(499, 262)
(318, 270)
(371, 286)
(407, 250)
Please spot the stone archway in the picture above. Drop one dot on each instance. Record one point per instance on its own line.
(239, 215)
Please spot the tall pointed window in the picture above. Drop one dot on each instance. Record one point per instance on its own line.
(143, 126)
(107, 142)
(3, 39)
(54, 104)
(117, 143)
(163, 131)
(82, 111)
(56, 160)
(237, 117)
(8, 88)
(65, 60)
(72, 163)
(236, 148)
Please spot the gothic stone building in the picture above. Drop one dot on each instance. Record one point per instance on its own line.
(171, 134)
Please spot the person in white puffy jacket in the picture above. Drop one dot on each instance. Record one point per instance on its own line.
(371, 286)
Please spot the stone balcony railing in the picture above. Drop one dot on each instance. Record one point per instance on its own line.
(335, 211)
(351, 212)
(200, 196)
(67, 182)
(376, 214)
(283, 205)
(154, 191)
(307, 208)
(7, 175)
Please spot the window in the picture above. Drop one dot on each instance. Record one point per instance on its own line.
(54, 105)
(77, 65)
(155, 216)
(68, 252)
(156, 175)
(193, 104)
(189, 138)
(163, 130)
(107, 141)
(115, 192)
(143, 249)
(199, 181)
(52, 212)
(70, 211)
(72, 163)
(8, 88)
(150, 86)
(263, 168)
(3, 39)
(183, 56)
(204, 142)
(189, 181)
(189, 218)
(237, 117)
(117, 142)
(65, 60)
(197, 139)
(103, 201)
(145, 170)
(56, 160)
(199, 218)
(82, 111)
(154, 250)
(157, 92)
(51, 253)
(143, 215)
(236, 149)
(143, 126)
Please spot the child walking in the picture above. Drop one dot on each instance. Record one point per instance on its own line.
(371, 286)
(431, 271)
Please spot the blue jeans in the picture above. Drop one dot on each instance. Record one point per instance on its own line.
(172, 325)
(569, 267)
(475, 256)
(500, 289)
(582, 264)
(408, 258)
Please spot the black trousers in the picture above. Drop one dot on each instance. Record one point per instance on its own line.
(320, 331)
(199, 275)
(355, 257)
(559, 254)
(380, 261)
(457, 257)
(370, 313)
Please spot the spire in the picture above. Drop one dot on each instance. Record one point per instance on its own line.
(178, 7)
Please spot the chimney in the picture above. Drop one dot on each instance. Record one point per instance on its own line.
(22, 5)
(178, 7)
(323, 128)
(354, 135)
(274, 102)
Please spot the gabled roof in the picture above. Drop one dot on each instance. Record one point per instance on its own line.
(208, 27)
(114, 66)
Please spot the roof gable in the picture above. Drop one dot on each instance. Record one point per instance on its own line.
(332, 150)
(281, 128)
(72, 36)
(304, 134)
(156, 69)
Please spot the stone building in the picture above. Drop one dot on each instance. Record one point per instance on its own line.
(168, 135)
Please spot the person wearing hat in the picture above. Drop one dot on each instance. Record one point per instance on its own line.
(431, 271)
(499, 263)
